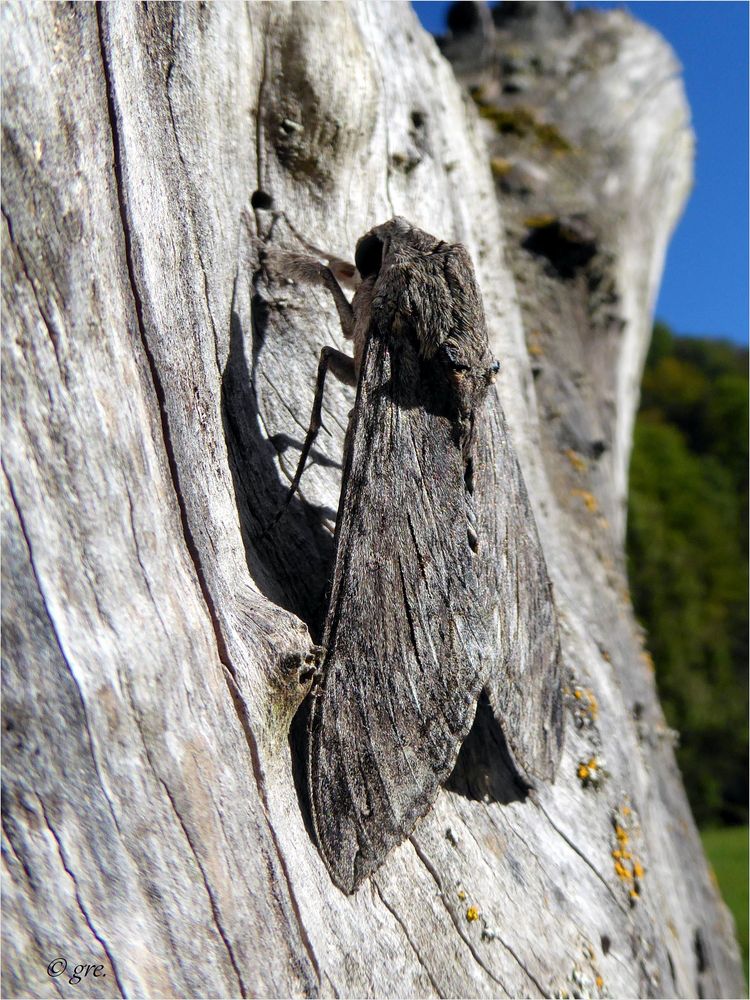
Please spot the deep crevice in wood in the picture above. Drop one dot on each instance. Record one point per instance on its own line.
(156, 379)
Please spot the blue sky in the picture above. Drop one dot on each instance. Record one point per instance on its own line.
(705, 286)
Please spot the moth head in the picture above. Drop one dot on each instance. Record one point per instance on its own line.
(368, 256)
(374, 245)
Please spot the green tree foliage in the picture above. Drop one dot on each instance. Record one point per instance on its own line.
(687, 558)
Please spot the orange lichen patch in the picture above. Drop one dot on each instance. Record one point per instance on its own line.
(591, 703)
(578, 462)
(599, 982)
(588, 498)
(586, 707)
(628, 867)
(591, 772)
(588, 701)
(472, 914)
(622, 872)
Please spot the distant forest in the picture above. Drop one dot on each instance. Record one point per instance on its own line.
(688, 562)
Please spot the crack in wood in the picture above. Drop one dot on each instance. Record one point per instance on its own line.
(58, 642)
(402, 925)
(223, 654)
(79, 900)
(209, 893)
(49, 326)
(477, 957)
(582, 856)
(244, 719)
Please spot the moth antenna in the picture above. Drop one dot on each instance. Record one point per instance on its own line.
(304, 267)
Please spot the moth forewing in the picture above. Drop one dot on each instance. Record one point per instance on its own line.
(405, 640)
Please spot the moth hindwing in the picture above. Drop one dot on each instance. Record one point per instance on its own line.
(415, 628)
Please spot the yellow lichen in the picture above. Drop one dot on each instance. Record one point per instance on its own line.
(589, 500)
(622, 872)
(599, 982)
(583, 772)
(461, 895)
(472, 914)
(578, 462)
(627, 866)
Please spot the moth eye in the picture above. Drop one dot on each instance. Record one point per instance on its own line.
(369, 256)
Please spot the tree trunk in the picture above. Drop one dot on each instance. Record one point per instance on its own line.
(156, 389)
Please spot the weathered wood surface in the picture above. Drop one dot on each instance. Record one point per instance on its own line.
(156, 387)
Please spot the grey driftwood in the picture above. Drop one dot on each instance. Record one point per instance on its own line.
(156, 390)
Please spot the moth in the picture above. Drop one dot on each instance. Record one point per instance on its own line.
(439, 587)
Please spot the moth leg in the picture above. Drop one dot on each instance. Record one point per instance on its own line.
(343, 368)
(343, 306)
(309, 269)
